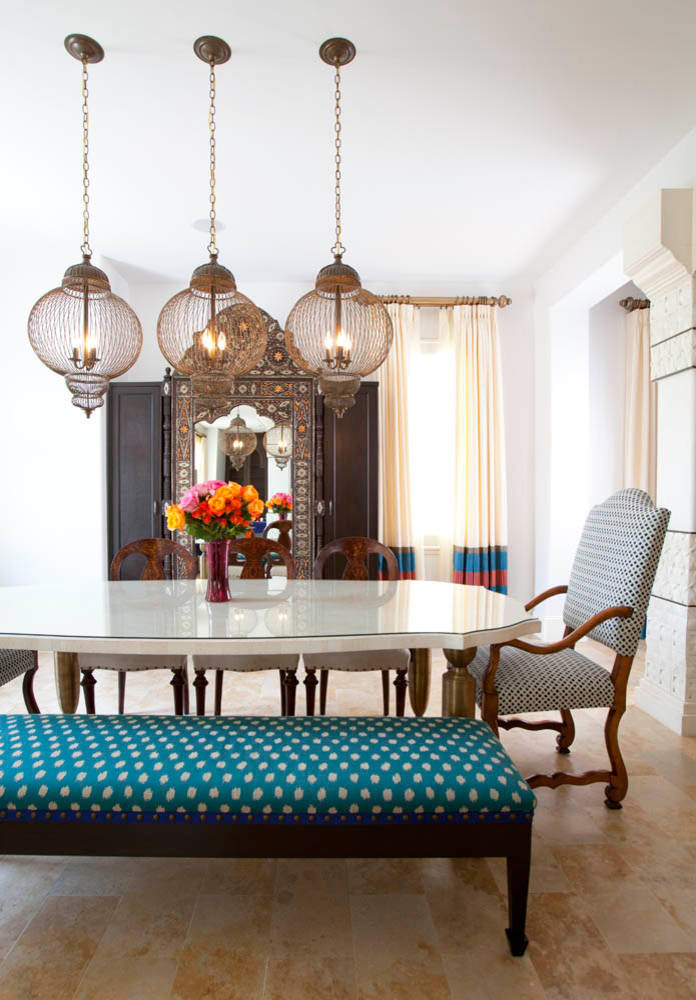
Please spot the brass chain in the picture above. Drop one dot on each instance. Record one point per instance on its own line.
(86, 249)
(338, 249)
(212, 246)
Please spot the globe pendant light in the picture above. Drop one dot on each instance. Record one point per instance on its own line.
(82, 330)
(278, 443)
(211, 331)
(238, 442)
(339, 331)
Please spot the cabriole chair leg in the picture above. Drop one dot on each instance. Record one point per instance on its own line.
(87, 683)
(617, 788)
(28, 692)
(567, 733)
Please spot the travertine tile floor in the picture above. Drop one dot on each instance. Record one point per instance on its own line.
(612, 911)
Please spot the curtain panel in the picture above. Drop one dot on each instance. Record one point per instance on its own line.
(395, 500)
(480, 489)
(640, 410)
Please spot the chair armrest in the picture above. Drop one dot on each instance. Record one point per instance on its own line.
(619, 611)
(544, 596)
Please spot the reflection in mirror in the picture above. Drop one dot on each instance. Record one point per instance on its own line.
(233, 448)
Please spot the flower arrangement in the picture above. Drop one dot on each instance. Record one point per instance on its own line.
(280, 503)
(215, 511)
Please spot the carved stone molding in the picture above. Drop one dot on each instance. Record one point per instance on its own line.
(673, 355)
(674, 311)
(668, 689)
(676, 572)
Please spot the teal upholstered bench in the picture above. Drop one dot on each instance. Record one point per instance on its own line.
(265, 787)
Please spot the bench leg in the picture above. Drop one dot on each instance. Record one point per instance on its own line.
(310, 683)
(281, 674)
(88, 682)
(178, 683)
(518, 888)
(200, 683)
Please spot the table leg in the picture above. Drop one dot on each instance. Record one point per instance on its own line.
(67, 675)
(419, 680)
(458, 686)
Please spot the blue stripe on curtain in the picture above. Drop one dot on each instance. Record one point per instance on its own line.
(482, 567)
(406, 558)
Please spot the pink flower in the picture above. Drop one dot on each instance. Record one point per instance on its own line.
(192, 497)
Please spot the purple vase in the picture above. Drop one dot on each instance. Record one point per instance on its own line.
(217, 555)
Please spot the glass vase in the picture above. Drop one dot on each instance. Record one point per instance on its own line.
(217, 556)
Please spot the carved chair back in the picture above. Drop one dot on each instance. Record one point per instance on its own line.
(356, 550)
(283, 528)
(615, 564)
(155, 551)
(258, 554)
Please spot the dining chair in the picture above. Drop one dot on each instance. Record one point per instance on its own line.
(356, 550)
(284, 529)
(606, 599)
(259, 555)
(156, 552)
(15, 663)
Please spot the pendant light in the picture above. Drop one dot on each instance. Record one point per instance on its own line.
(278, 443)
(82, 330)
(211, 331)
(339, 331)
(238, 442)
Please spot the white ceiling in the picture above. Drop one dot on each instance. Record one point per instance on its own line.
(475, 133)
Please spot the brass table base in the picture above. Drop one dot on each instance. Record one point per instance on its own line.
(458, 686)
(419, 680)
(67, 675)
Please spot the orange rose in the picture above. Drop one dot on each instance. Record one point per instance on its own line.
(225, 493)
(235, 489)
(256, 508)
(217, 505)
(250, 493)
(176, 519)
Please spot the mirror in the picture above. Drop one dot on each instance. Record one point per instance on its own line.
(276, 403)
(239, 446)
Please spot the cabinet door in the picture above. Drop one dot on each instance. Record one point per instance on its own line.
(350, 472)
(134, 467)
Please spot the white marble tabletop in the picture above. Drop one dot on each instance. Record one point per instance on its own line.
(264, 616)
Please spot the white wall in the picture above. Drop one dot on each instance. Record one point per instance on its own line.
(571, 306)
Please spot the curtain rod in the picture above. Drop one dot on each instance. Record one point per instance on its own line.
(436, 300)
(630, 304)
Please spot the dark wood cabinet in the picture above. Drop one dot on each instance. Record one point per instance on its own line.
(350, 471)
(134, 466)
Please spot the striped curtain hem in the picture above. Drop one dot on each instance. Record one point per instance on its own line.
(406, 558)
(484, 567)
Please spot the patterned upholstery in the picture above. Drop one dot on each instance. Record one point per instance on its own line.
(14, 663)
(615, 563)
(259, 661)
(380, 659)
(130, 661)
(527, 682)
(227, 769)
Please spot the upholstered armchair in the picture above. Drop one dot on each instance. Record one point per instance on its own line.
(17, 663)
(607, 599)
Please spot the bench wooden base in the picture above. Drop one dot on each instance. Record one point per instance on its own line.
(480, 840)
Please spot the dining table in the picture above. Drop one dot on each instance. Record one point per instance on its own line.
(68, 617)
